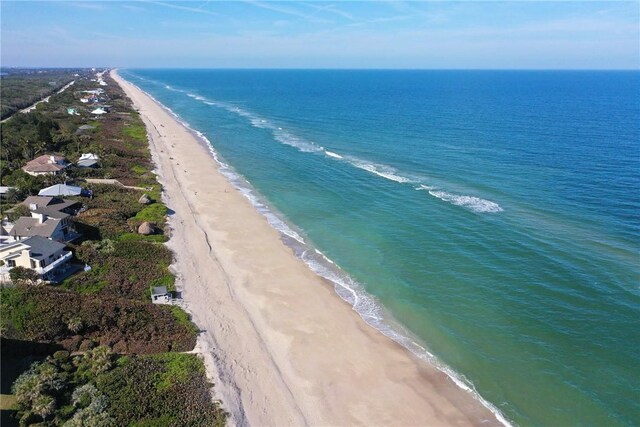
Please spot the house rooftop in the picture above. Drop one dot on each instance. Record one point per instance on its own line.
(86, 163)
(41, 248)
(51, 212)
(51, 203)
(160, 290)
(27, 226)
(45, 163)
(60, 190)
(42, 201)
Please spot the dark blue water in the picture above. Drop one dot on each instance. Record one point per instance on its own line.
(491, 217)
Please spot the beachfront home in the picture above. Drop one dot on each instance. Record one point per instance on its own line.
(50, 218)
(47, 164)
(159, 295)
(72, 112)
(60, 190)
(49, 228)
(46, 257)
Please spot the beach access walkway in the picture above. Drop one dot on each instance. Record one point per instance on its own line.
(109, 181)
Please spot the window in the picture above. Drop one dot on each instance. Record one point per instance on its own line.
(11, 263)
(33, 264)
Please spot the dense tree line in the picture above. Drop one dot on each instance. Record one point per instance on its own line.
(22, 88)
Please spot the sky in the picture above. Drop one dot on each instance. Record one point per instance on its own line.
(317, 34)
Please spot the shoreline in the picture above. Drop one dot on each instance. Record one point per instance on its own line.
(280, 344)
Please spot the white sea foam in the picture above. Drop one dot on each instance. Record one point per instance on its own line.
(332, 154)
(292, 140)
(472, 203)
(381, 170)
(475, 204)
(196, 97)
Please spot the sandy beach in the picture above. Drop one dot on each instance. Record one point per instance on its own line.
(282, 348)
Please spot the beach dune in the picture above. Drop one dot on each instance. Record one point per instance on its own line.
(282, 348)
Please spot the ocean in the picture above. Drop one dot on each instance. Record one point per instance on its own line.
(487, 220)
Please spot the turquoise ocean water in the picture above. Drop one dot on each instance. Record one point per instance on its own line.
(487, 220)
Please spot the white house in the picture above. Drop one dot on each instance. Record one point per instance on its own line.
(99, 111)
(46, 257)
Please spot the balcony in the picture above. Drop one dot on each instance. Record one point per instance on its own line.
(55, 264)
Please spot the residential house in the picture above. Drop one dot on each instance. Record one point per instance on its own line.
(50, 218)
(56, 227)
(47, 164)
(46, 257)
(99, 111)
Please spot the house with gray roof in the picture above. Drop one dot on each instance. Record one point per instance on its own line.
(50, 218)
(52, 204)
(39, 224)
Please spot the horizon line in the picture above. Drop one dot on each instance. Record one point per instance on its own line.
(42, 67)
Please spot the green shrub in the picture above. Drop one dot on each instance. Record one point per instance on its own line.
(155, 213)
(183, 318)
(136, 131)
(158, 238)
(44, 314)
(176, 387)
(23, 276)
(140, 170)
(16, 310)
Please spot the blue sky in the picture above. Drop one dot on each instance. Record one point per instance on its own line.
(314, 34)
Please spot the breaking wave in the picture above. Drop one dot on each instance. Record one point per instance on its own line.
(472, 203)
